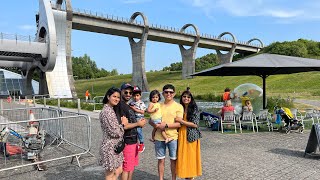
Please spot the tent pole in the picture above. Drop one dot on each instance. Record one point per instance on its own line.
(264, 91)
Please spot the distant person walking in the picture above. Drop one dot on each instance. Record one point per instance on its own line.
(87, 95)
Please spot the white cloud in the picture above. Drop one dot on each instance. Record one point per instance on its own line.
(27, 27)
(287, 10)
(283, 14)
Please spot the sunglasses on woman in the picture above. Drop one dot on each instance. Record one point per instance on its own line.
(189, 97)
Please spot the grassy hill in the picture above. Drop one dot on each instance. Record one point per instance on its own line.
(301, 85)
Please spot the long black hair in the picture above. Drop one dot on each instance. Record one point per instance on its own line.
(154, 92)
(109, 93)
(192, 107)
(116, 108)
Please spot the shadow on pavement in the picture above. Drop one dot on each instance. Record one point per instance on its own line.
(293, 153)
(89, 172)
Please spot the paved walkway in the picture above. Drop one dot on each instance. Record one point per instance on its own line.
(314, 103)
(263, 155)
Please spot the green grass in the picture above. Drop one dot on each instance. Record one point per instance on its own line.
(301, 85)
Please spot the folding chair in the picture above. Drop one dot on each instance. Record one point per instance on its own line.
(308, 116)
(228, 118)
(296, 114)
(264, 117)
(247, 118)
(316, 114)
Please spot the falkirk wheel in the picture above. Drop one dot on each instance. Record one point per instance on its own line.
(49, 53)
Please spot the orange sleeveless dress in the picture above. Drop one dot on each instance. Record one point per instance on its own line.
(189, 155)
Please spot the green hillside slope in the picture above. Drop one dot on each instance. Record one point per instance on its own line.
(301, 85)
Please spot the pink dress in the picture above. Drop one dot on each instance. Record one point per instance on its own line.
(112, 133)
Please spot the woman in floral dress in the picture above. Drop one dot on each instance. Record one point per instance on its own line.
(112, 134)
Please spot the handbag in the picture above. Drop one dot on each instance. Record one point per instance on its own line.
(118, 148)
(193, 134)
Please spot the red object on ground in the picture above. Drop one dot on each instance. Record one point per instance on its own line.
(12, 149)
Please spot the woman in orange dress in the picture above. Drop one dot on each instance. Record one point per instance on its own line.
(188, 163)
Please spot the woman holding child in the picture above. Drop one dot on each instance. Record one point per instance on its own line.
(189, 154)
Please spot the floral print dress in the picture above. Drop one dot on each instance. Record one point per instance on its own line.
(112, 134)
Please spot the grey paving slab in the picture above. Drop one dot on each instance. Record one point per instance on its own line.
(263, 155)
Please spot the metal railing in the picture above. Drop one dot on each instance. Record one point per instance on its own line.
(97, 100)
(18, 38)
(68, 135)
(156, 26)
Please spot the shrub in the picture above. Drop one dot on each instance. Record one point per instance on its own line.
(278, 101)
(208, 97)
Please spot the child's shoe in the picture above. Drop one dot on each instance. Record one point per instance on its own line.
(141, 148)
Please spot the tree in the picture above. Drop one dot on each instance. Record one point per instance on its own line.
(85, 68)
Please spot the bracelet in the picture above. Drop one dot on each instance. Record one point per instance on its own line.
(181, 123)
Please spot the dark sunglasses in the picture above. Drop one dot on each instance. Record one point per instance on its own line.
(189, 97)
(127, 92)
(167, 92)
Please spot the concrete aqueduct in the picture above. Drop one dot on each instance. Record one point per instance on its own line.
(50, 52)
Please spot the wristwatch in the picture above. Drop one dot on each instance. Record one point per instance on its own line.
(181, 122)
(166, 126)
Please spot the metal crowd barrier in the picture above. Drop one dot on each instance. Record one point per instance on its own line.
(68, 135)
(97, 100)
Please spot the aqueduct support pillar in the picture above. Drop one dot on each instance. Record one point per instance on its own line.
(227, 58)
(139, 77)
(43, 86)
(27, 74)
(188, 55)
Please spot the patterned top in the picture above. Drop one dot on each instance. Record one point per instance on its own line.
(112, 133)
(141, 106)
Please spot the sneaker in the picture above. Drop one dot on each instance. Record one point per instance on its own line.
(141, 148)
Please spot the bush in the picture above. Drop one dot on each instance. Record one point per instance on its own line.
(208, 97)
(315, 93)
(278, 101)
(70, 104)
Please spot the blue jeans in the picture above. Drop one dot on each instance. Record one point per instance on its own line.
(160, 148)
(140, 135)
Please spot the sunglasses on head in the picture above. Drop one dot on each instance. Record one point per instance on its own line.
(127, 92)
(167, 92)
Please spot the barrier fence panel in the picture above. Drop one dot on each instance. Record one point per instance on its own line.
(60, 137)
(97, 100)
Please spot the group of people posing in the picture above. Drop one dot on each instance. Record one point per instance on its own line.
(175, 128)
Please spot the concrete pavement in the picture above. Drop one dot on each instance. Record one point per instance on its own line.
(263, 155)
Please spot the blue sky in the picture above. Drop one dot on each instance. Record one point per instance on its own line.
(268, 20)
